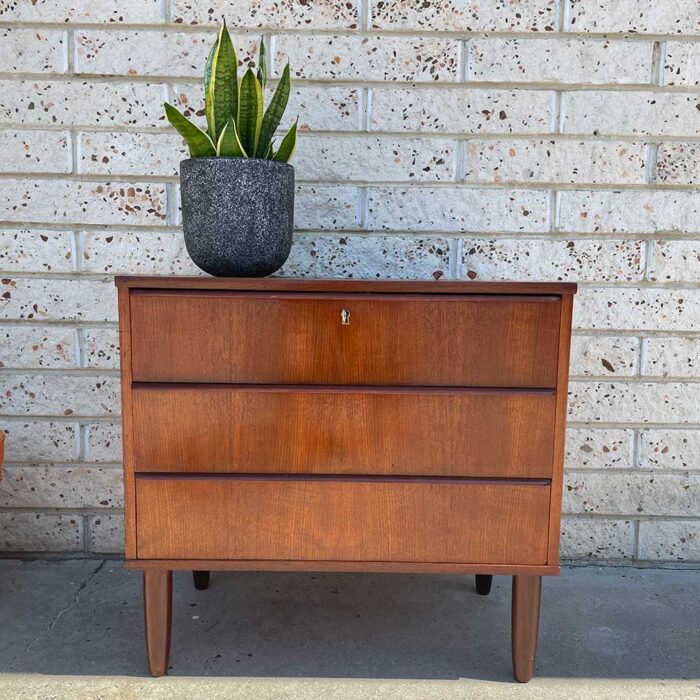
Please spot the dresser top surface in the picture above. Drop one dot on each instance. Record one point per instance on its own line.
(277, 284)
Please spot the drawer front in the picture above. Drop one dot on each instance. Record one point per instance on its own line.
(341, 520)
(387, 339)
(322, 430)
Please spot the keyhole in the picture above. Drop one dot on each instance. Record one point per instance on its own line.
(345, 317)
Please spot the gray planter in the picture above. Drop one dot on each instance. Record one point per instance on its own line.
(238, 214)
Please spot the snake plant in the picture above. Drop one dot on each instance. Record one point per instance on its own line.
(237, 124)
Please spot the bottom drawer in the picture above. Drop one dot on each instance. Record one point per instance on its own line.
(342, 519)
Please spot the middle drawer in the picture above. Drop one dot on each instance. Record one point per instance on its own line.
(343, 430)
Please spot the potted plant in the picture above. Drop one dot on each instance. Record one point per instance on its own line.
(237, 187)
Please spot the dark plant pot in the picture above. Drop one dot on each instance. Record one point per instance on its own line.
(238, 214)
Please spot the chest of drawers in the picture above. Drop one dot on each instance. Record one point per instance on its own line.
(337, 425)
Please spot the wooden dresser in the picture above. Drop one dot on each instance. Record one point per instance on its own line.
(339, 425)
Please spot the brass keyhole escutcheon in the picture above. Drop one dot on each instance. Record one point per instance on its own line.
(345, 317)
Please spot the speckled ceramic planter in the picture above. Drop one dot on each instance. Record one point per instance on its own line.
(238, 214)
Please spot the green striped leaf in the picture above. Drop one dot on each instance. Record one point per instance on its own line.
(250, 112)
(229, 144)
(222, 89)
(274, 112)
(262, 68)
(288, 145)
(197, 141)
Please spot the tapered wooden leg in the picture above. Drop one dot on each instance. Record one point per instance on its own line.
(201, 580)
(483, 583)
(158, 608)
(525, 622)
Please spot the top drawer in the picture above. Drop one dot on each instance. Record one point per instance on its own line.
(382, 339)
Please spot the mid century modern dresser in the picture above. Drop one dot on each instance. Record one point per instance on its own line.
(343, 425)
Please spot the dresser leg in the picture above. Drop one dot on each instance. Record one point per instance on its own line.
(525, 621)
(201, 580)
(483, 583)
(158, 608)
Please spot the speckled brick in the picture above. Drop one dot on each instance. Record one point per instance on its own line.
(104, 442)
(604, 356)
(639, 113)
(678, 163)
(368, 257)
(461, 110)
(669, 540)
(106, 534)
(682, 63)
(34, 299)
(35, 152)
(275, 14)
(150, 52)
(138, 11)
(326, 207)
(457, 209)
(59, 395)
(627, 308)
(635, 16)
(535, 60)
(35, 250)
(347, 57)
(633, 402)
(40, 532)
(672, 357)
(61, 487)
(32, 50)
(40, 441)
(607, 211)
(101, 348)
(593, 538)
(35, 347)
(551, 260)
(81, 103)
(465, 15)
(665, 448)
(632, 493)
(550, 161)
(675, 261)
(71, 201)
(598, 448)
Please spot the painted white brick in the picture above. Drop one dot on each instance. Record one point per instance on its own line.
(326, 207)
(596, 448)
(368, 257)
(106, 534)
(347, 57)
(35, 152)
(465, 15)
(589, 538)
(458, 209)
(34, 299)
(32, 347)
(374, 158)
(672, 357)
(633, 113)
(632, 493)
(275, 14)
(550, 161)
(61, 201)
(646, 211)
(535, 60)
(40, 532)
(669, 449)
(461, 110)
(678, 163)
(682, 63)
(61, 487)
(151, 52)
(633, 402)
(606, 356)
(40, 441)
(675, 261)
(59, 395)
(81, 103)
(638, 309)
(35, 250)
(547, 259)
(104, 442)
(32, 50)
(669, 540)
(137, 11)
(637, 16)
(102, 348)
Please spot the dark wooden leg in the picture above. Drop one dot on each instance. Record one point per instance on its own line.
(483, 583)
(201, 580)
(525, 622)
(158, 608)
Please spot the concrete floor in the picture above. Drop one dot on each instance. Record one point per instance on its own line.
(73, 630)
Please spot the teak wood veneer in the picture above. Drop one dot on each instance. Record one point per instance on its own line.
(337, 425)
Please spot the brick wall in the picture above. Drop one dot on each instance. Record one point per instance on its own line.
(446, 139)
